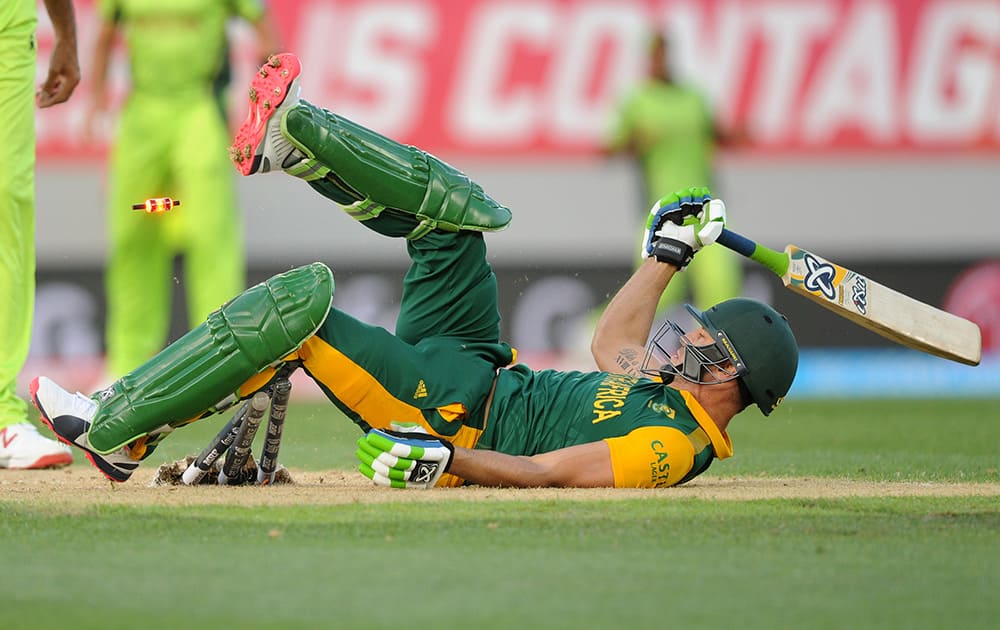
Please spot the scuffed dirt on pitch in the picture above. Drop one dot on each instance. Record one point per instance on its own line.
(81, 486)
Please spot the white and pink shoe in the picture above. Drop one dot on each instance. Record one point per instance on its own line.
(21, 446)
(259, 145)
(69, 416)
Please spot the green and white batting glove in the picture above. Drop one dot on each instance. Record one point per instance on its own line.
(682, 223)
(403, 459)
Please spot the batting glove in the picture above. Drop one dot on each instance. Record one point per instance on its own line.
(403, 459)
(682, 223)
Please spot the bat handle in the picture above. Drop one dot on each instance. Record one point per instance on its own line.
(774, 260)
(737, 242)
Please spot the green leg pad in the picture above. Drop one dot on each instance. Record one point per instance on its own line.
(369, 173)
(251, 332)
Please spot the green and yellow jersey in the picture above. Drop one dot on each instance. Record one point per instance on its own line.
(658, 436)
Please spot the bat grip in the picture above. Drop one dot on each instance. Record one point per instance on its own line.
(774, 260)
(737, 242)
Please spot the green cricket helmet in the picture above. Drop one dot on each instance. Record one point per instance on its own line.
(753, 343)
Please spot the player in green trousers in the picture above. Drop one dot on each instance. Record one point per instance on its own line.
(170, 141)
(20, 444)
(442, 400)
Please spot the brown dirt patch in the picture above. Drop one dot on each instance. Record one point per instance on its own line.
(78, 487)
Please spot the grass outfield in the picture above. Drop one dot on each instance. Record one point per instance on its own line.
(553, 562)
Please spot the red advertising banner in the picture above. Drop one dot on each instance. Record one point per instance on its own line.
(501, 78)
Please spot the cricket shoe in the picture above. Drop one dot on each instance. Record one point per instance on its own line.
(21, 446)
(259, 145)
(69, 416)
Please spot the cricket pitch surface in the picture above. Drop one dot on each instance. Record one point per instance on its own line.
(84, 486)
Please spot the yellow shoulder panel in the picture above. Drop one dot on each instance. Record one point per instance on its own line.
(650, 457)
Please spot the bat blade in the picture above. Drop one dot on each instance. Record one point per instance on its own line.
(883, 310)
(867, 303)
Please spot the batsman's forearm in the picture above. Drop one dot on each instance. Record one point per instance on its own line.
(580, 466)
(490, 468)
(626, 321)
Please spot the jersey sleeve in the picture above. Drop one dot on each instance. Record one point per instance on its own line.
(650, 457)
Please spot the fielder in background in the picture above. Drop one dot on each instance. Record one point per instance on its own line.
(669, 129)
(20, 444)
(442, 401)
(171, 139)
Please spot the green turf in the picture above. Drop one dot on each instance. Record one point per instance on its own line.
(913, 440)
(639, 564)
(847, 563)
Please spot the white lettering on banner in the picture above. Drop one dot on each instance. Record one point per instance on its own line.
(395, 77)
(588, 58)
(492, 77)
(712, 55)
(955, 69)
(855, 81)
(481, 109)
(595, 52)
(371, 55)
(321, 32)
(790, 30)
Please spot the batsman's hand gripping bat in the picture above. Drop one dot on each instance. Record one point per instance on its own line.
(876, 307)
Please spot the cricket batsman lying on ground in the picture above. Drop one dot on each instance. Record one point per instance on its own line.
(479, 417)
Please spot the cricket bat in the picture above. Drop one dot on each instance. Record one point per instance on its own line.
(876, 307)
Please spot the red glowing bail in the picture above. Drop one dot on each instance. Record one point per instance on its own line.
(156, 205)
